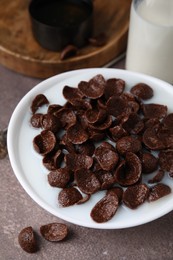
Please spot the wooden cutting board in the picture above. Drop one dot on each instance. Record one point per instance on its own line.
(20, 52)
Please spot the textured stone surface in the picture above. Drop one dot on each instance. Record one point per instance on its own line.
(17, 210)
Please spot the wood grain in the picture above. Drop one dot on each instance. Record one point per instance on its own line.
(20, 52)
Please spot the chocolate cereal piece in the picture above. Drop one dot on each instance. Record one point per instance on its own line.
(45, 142)
(53, 160)
(76, 134)
(116, 190)
(157, 178)
(95, 115)
(128, 144)
(80, 104)
(96, 135)
(129, 170)
(117, 132)
(53, 108)
(68, 51)
(142, 90)
(36, 120)
(54, 232)
(78, 161)
(94, 88)
(114, 87)
(66, 116)
(86, 181)
(105, 178)
(158, 191)
(59, 178)
(27, 240)
(166, 160)
(69, 196)
(103, 126)
(154, 110)
(135, 195)
(149, 162)
(105, 209)
(151, 122)
(71, 93)
(151, 139)
(116, 106)
(66, 144)
(134, 124)
(38, 101)
(51, 122)
(168, 120)
(106, 157)
(86, 148)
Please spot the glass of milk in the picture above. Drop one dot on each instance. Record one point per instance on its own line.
(150, 39)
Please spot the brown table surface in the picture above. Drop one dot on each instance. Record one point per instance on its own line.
(17, 210)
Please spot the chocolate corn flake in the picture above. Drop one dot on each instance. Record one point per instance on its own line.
(105, 209)
(71, 93)
(78, 161)
(27, 240)
(69, 196)
(152, 140)
(149, 162)
(53, 160)
(86, 148)
(117, 132)
(87, 181)
(134, 124)
(38, 101)
(105, 178)
(117, 191)
(128, 144)
(154, 110)
(36, 120)
(106, 157)
(158, 177)
(168, 120)
(95, 115)
(53, 108)
(142, 91)
(135, 195)
(66, 116)
(129, 170)
(59, 178)
(158, 191)
(102, 126)
(114, 87)
(166, 160)
(51, 122)
(76, 134)
(54, 232)
(45, 142)
(151, 122)
(94, 88)
(96, 135)
(116, 106)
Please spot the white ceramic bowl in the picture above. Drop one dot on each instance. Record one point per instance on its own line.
(27, 164)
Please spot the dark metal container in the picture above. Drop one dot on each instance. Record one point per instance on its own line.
(58, 23)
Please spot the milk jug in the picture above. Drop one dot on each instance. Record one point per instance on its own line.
(150, 39)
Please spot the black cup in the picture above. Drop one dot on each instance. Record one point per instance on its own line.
(58, 23)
